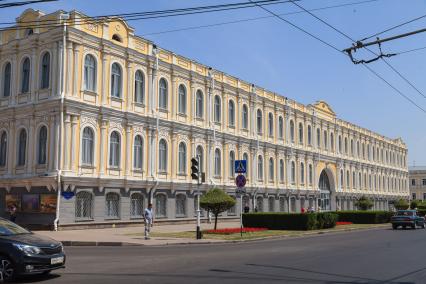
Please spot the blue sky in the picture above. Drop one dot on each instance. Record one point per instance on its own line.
(274, 55)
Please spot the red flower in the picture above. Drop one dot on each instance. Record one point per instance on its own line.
(228, 231)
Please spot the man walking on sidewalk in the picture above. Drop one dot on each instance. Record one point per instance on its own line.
(149, 220)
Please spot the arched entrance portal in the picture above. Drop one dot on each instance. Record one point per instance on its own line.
(325, 192)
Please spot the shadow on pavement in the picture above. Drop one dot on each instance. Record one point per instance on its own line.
(36, 278)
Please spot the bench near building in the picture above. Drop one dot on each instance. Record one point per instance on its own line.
(95, 121)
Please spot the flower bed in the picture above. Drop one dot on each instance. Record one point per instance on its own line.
(343, 223)
(228, 231)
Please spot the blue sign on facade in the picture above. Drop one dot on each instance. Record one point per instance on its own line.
(67, 194)
(240, 166)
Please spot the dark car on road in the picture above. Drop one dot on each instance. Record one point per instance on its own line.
(23, 252)
(407, 218)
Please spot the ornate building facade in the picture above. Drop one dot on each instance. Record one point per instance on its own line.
(95, 121)
(417, 176)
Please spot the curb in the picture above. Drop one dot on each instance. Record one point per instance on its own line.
(306, 234)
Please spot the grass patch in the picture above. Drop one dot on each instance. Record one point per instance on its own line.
(252, 235)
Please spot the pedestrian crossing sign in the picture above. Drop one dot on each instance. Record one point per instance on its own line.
(240, 166)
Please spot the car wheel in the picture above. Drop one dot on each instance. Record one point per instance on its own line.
(7, 269)
(423, 225)
(414, 226)
(394, 227)
(404, 227)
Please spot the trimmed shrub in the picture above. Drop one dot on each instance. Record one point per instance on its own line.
(401, 204)
(421, 205)
(290, 221)
(364, 203)
(365, 217)
(414, 204)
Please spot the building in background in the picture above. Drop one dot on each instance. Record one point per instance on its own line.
(417, 175)
(95, 121)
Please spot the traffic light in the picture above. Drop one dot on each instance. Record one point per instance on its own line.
(195, 171)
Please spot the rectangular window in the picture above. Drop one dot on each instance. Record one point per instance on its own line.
(424, 181)
(424, 196)
(413, 182)
(414, 196)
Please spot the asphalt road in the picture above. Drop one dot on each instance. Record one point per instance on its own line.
(369, 256)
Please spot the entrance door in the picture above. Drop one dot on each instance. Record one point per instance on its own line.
(325, 192)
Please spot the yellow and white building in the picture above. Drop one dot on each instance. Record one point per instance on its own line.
(95, 121)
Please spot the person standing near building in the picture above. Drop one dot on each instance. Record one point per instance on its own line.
(12, 212)
(149, 220)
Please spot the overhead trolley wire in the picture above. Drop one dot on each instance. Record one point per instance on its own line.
(341, 52)
(258, 18)
(144, 15)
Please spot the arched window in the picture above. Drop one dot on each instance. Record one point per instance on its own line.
(309, 135)
(293, 173)
(300, 133)
(162, 156)
(182, 158)
(346, 145)
(302, 173)
(231, 113)
(163, 94)
(291, 131)
(138, 152)
(182, 99)
(45, 71)
(217, 109)
(161, 205)
(347, 180)
(281, 170)
(200, 155)
(42, 145)
(282, 204)
(139, 87)
(325, 139)
(245, 157)
(342, 184)
(180, 205)
(136, 205)
(259, 168)
(340, 144)
(90, 73)
(271, 203)
(7, 77)
(245, 117)
(311, 175)
(357, 149)
(114, 150)
(116, 80)
(318, 138)
(112, 205)
(359, 180)
(280, 127)
(231, 164)
(217, 163)
(199, 104)
(332, 141)
(271, 125)
(116, 37)
(353, 179)
(352, 147)
(25, 76)
(3, 149)
(259, 121)
(83, 205)
(271, 169)
(87, 147)
(22, 147)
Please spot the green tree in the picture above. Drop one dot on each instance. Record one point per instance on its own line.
(401, 204)
(364, 203)
(216, 201)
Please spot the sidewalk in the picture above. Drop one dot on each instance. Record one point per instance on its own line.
(123, 236)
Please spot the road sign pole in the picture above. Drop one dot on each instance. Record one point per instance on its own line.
(241, 215)
(198, 202)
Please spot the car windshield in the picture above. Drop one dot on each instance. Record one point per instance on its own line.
(8, 228)
(405, 213)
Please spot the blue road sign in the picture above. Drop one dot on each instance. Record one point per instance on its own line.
(240, 181)
(240, 166)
